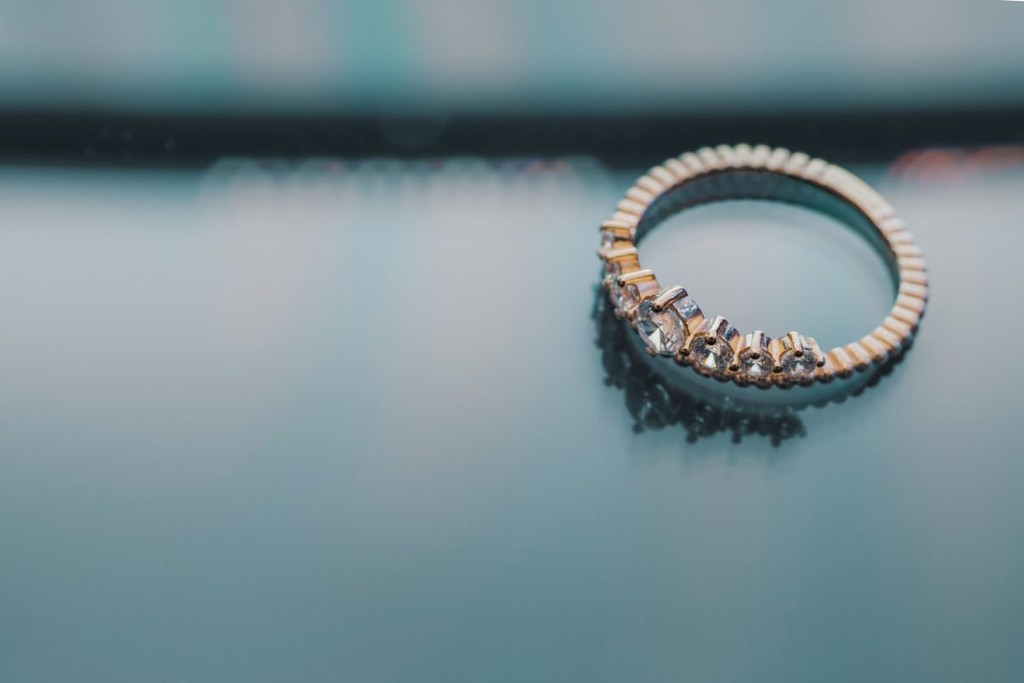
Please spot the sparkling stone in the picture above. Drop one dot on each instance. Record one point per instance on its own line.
(687, 307)
(662, 332)
(624, 298)
(711, 357)
(755, 364)
(607, 240)
(612, 268)
(795, 366)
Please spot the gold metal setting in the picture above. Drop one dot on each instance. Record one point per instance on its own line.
(671, 323)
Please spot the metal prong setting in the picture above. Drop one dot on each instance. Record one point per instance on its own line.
(616, 234)
(629, 289)
(671, 323)
(797, 358)
(620, 255)
(668, 296)
(618, 261)
(677, 300)
(666, 320)
(635, 276)
(710, 349)
(754, 362)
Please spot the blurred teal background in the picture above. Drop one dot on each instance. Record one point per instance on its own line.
(497, 56)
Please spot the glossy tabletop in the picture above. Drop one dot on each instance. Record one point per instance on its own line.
(361, 422)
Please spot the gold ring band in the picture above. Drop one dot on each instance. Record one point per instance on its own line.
(669, 321)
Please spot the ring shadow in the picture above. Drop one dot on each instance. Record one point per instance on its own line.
(700, 406)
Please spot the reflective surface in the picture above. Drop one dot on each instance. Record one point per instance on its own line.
(351, 422)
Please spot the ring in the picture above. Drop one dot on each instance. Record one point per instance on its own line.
(669, 321)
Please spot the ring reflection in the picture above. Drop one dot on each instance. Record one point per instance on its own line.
(661, 394)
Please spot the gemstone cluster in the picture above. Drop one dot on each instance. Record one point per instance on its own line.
(670, 324)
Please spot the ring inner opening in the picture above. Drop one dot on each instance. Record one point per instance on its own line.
(772, 253)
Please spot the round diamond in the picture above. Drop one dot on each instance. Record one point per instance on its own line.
(662, 331)
(607, 240)
(797, 366)
(625, 297)
(756, 365)
(711, 355)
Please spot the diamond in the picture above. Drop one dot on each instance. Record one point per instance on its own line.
(625, 297)
(710, 354)
(687, 308)
(607, 240)
(755, 364)
(797, 366)
(662, 331)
